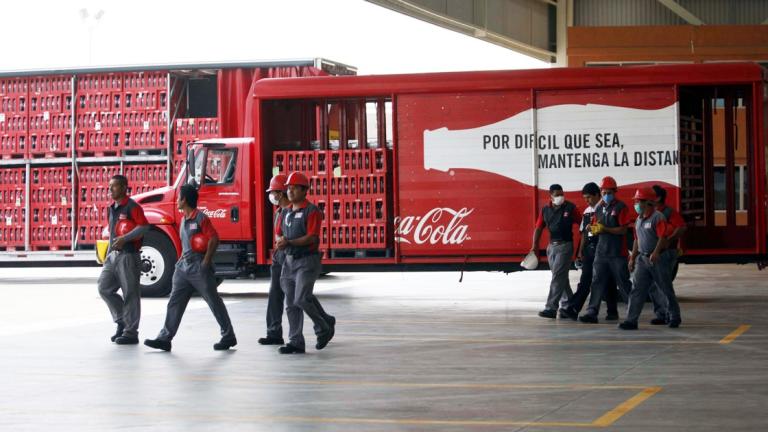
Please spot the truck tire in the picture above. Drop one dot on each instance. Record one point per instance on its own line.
(158, 258)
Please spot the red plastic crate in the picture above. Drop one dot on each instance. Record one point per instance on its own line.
(49, 145)
(343, 236)
(61, 122)
(10, 123)
(355, 211)
(39, 123)
(344, 187)
(373, 236)
(13, 146)
(14, 105)
(319, 186)
(155, 80)
(11, 238)
(51, 237)
(100, 83)
(49, 84)
(356, 162)
(372, 185)
(14, 86)
(381, 161)
(12, 177)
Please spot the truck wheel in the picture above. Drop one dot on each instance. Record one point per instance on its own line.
(158, 257)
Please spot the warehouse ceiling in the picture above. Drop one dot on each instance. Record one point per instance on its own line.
(525, 26)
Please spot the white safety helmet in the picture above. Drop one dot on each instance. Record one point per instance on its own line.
(530, 262)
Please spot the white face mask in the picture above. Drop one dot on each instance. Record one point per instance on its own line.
(558, 200)
(273, 200)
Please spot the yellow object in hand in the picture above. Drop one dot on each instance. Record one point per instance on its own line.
(597, 228)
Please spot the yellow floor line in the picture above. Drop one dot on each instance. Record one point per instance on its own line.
(611, 416)
(734, 334)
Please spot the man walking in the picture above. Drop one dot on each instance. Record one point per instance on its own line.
(278, 197)
(586, 257)
(298, 233)
(558, 217)
(194, 272)
(610, 225)
(678, 227)
(650, 262)
(127, 226)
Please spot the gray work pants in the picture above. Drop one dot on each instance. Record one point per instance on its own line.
(645, 275)
(122, 271)
(559, 257)
(275, 300)
(603, 268)
(658, 298)
(186, 280)
(298, 281)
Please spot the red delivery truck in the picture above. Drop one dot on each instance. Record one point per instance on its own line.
(449, 170)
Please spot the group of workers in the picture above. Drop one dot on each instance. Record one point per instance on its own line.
(606, 227)
(295, 268)
(603, 255)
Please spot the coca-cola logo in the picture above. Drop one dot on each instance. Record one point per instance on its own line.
(214, 214)
(439, 225)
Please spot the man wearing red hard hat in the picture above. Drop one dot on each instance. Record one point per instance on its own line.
(194, 272)
(610, 223)
(279, 198)
(298, 234)
(650, 261)
(122, 265)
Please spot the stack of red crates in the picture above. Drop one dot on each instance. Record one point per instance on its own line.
(145, 177)
(12, 210)
(94, 198)
(187, 130)
(51, 208)
(350, 186)
(145, 118)
(14, 115)
(99, 114)
(50, 116)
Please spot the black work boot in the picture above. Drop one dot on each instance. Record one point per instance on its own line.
(659, 321)
(158, 344)
(119, 332)
(324, 338)
(225, 344)
(626, 325)
(548, 313)
(290, 349)
(568, 313)
(270, 340)
(589, 319)
(127, 340)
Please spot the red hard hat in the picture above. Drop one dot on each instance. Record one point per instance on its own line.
(199, 243)
(645, 194)
(277, 183)
(297, 179)
(124, 226)
(608, 183)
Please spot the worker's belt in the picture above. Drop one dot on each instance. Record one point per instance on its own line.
(301, 253)
(559, 242)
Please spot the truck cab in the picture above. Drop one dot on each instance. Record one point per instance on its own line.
(220, 169)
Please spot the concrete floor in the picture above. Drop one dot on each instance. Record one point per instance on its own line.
(413, 351)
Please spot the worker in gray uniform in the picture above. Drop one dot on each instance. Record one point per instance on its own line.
(559, 217)
(122, 269)
(610, 224)
(650, 260)
(586, 257)
(279, 198)
(678, 228)
(298, 234)
(194, 272)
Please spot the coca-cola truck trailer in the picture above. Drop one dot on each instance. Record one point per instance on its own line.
(449, 170)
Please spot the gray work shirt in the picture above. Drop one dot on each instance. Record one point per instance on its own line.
(648, 231)
(197, 222)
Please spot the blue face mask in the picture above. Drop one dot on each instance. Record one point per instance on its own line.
(638, 208)
(608, 198)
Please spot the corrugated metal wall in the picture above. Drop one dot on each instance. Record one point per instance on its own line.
(594, 13)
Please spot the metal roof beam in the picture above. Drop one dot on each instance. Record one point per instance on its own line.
(681, 12)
